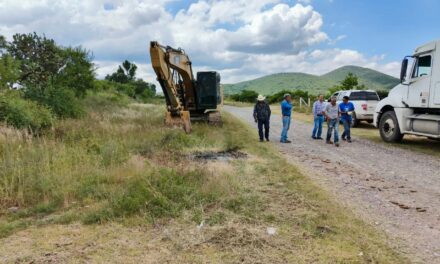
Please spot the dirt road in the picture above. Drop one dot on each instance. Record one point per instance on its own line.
(394, 189)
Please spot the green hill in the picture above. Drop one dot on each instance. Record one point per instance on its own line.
(313, 83)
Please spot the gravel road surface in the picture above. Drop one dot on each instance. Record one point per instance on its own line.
(394, 189)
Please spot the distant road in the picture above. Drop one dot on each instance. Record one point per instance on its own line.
(395, 189)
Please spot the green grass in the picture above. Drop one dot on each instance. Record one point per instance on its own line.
(121, 164)
(312, 83)
(117, 162)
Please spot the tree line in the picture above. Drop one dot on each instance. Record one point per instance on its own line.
(41, 81)
(350, 82)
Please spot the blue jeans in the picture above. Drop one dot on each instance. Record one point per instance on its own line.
(265, 124)
(333, 125)
(347, 127)
(317, 129)
(286, 127)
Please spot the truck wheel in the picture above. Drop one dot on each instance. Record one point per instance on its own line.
(354, 121)
(389, 127)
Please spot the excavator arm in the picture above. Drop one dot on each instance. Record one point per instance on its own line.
(174, 74)
(166, 63)
(184, 95)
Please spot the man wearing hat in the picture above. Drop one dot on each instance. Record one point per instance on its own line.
(262, 117)
(286, 110)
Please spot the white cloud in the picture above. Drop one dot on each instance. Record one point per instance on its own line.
(282, 29)
(242, 39)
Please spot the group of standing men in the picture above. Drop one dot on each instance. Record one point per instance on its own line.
(331, 112)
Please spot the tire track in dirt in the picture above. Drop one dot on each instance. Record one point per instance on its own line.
(394, 189)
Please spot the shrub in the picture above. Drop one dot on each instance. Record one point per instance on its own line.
(22, 113)
(245, 96)
(279, 96)
(63, 103)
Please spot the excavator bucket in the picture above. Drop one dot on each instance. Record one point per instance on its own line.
(179, 121)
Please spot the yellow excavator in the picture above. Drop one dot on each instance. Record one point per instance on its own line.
(187, 99)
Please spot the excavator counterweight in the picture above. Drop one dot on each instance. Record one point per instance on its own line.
(187, 99)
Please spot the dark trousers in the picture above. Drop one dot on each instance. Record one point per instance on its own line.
(265, 124)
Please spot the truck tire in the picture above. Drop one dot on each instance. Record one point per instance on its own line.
(389, 127)
(354, 121)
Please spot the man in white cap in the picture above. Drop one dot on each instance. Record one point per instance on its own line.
(262, 117)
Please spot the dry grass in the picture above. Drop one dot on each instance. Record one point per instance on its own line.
(205, 212)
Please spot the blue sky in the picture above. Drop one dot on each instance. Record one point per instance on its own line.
(241, 39)
(392, 27)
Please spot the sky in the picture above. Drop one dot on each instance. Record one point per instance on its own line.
(242, 39)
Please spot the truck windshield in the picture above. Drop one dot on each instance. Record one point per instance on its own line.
(364, 96)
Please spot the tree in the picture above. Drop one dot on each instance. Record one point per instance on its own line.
(125, 78)
(3, 44)
(143, 89)
(126, 73)
(77, 73)
(9, 71)
(350, 81)
(40, 59)
(43, 66)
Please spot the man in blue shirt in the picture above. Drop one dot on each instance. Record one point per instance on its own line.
(318, 109)
(346, 108)
(286, 110)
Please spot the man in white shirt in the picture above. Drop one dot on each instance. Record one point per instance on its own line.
(332, 115)
(318, 109)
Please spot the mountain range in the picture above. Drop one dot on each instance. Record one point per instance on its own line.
(314, 84)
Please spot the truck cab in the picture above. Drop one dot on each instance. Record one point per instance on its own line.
(413, 106)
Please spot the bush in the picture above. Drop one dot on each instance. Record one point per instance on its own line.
(22, 113)
(279, 96)
(138, 89)
(63, 103)
(245, 96)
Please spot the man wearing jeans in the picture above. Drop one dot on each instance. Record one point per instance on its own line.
(262, 117)
(346, 108)
(286, 110)
(332, 115)
(318, 109)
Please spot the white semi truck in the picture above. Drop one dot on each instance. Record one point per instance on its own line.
(413, 106)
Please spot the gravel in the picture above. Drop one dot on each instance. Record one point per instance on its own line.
(394, 189)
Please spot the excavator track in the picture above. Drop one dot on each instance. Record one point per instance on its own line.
(215, 118)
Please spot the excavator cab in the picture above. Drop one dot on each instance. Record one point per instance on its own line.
(208, 90)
